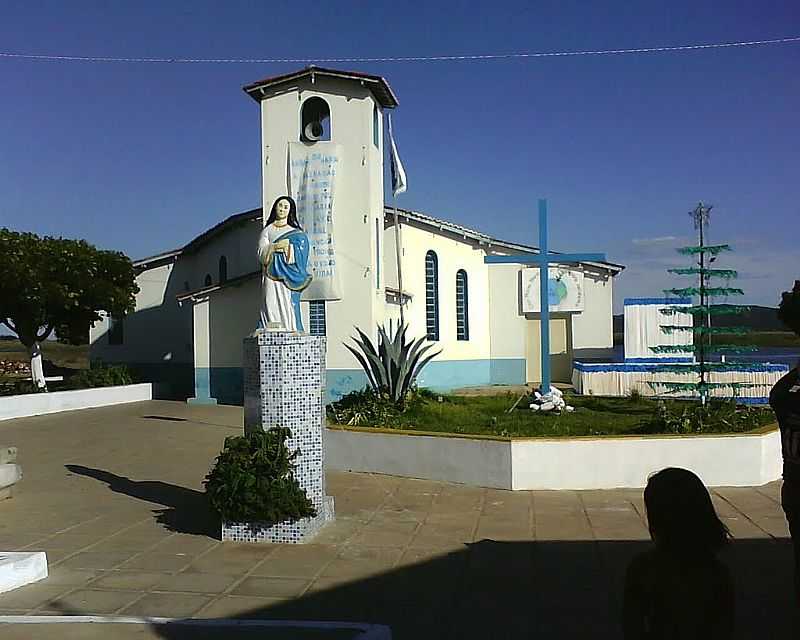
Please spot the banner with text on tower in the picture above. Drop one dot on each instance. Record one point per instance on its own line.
(312, 177)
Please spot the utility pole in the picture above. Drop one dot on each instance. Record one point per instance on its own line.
(701, 215)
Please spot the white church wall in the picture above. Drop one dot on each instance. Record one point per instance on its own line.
(239, 245)
(201, 351)
(233, 315)
(507, 326)
(461, 362)
(452, 255)
(358, 202)
(156, 336)
(593, 327)
(376, 215)
(155, 330)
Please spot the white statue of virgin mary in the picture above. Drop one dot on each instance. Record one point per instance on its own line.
(283, 253)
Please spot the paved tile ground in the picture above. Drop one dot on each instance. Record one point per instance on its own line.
(114, 496)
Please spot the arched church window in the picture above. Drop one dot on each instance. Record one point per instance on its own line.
(223, 270)
(315, 120)
(462, 306)
(208, 281)
(432, 295)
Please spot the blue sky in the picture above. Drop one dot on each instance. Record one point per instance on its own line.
(142, 157)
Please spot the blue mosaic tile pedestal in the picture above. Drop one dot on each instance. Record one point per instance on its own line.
(284, 384)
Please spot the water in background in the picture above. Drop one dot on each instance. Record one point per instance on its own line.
(774, 355)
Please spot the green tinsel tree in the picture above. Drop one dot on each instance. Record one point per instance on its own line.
(706, 290)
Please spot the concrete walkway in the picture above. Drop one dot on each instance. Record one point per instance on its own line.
(114, 496)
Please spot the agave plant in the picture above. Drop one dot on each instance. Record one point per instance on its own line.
(394, 365)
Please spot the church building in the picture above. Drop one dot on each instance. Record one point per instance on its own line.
(323, 143)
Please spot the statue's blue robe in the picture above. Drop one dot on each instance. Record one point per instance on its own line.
(294, 276)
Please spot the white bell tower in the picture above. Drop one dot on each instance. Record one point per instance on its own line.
(333, 113)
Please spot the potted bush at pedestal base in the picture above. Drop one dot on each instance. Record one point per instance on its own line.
(253, 489)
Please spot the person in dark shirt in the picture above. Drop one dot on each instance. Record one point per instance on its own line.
(785, 402)
(679, 590)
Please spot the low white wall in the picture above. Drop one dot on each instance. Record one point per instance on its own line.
(482, 463)
(608, 463)
(578, 463)
(35, 404)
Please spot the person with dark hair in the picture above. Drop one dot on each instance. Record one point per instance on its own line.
(785, 402)
(679, 589)
(283, 251)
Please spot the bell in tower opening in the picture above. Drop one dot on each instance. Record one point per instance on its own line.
(316, 120)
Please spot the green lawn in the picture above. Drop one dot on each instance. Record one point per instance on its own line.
(62, 355)
(488, 415)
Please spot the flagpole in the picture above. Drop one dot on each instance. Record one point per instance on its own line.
(397, 254)
(397, 248)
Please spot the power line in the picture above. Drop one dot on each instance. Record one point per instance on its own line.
(446, 58)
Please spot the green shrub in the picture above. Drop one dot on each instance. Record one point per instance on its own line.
(365, 407)
(717, 416)
(368, 407)
(635, 395)
(11, 387)
(100, 376)
(393, 365)
(252, 480)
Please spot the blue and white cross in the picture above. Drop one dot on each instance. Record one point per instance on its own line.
(544, 259)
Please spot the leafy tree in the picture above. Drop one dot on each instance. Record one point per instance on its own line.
(56, 284)
(789, 309)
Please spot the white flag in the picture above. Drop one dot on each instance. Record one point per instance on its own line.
(399, 183)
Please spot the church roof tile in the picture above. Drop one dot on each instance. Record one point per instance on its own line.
(376, 84)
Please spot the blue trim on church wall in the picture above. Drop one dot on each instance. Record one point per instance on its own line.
(226, 384)
(442, 375)
(507, 371)
(202, 387)
(340, 382)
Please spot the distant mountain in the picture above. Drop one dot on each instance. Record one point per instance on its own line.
(757, 319)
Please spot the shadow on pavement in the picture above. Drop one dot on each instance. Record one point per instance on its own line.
(544, 590)
(538, 590)
(186, 510)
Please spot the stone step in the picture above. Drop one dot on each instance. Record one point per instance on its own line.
(18, 568)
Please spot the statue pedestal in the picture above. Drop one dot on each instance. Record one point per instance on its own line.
(284, 386)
